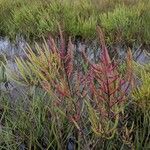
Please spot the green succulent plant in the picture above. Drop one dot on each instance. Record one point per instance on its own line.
(141, 94)
(3, 77)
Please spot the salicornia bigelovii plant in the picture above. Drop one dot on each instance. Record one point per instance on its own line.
(107, 91)
(101, 87)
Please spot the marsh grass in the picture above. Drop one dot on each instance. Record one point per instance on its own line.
(63, 105)
(35, 119)
(32, 123)
(35, 19)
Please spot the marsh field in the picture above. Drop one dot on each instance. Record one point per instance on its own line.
(74, 74)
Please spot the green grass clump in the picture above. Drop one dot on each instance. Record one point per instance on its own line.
(125, 23)
(31, 122)
(141, 96)
(142, 93)
(122, 20)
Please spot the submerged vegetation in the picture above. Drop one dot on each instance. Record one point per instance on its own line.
(69, 90)
(122, 20)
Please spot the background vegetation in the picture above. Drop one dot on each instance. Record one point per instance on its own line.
(124, 21)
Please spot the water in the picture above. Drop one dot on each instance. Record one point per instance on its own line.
(11, 50)
(139, 55)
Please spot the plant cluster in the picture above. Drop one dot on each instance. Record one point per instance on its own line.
(89, 106)
(125, 20)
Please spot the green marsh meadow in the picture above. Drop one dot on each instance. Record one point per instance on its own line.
(74, 75)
